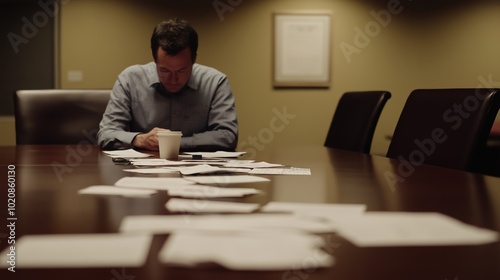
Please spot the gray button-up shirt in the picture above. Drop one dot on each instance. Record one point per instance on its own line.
(204, 110)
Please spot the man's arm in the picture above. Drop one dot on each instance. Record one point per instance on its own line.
(114, 131)
(222, 133)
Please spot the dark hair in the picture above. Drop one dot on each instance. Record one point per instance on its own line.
(173, 36)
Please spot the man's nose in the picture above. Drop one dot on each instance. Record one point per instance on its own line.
(173, 76)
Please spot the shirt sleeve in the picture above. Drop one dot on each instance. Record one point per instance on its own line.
(222, 132)
(114, 129)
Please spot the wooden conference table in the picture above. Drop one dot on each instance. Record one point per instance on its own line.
(48, 178)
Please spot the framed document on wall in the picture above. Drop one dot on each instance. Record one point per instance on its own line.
(301, 49)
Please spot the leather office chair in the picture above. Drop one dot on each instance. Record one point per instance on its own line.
(445, 127)
(59, 116)
(355, 119)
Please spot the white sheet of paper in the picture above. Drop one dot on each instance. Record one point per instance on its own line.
(112, 190)
(150, 170)
(227, 179)
(245, 251)
(319, 210)
(281, 171)
(411, 229)
(156, 224)
(201, 191)
(159, 162)
(129, 153)
(155, 183)
(205, 168)
(218, 154)
(208, 206)
(260, 164)
(80, 250)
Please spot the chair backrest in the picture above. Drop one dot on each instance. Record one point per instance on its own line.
(59, 116)
(355, 119)
(445, 127)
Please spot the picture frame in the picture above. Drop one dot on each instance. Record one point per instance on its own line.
(302, 49)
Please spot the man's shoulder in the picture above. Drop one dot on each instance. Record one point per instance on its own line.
(139, 68)
(200, 69)
(140, 73)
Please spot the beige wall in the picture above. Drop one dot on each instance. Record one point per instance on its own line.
(455, 45)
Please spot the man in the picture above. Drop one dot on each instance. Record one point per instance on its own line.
(173, 92)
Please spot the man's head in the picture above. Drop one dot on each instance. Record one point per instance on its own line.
(174, 45)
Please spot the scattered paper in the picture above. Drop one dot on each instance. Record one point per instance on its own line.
(155, 183)
(246, 251)
(205, 168)
(150, 170)
(80, 250)
(201, 191)
(281, 171)
(208, 206)
(224, 180)
(112, 190)
(411, 229)
(163, 224)
(218, 154)
(261, 164)
(159, 162)
(319, 210)
(129, 153)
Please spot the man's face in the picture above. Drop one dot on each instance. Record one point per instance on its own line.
(174, 71)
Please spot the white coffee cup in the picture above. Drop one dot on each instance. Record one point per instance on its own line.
(169, 143)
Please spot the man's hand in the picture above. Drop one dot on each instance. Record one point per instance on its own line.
(148, 141)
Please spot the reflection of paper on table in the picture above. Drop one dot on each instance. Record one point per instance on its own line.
(320, 210)
(411, 229)
(112, 190)
(208, 206)
(245, 251)
(80, 250)
(156, 224)
(129, 153)
(281, 171)
(201, 191)
(227, 179)
(155, 183)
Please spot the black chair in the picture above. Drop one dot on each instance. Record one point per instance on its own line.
(445, 127)
(59, 116)
(355, 119)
